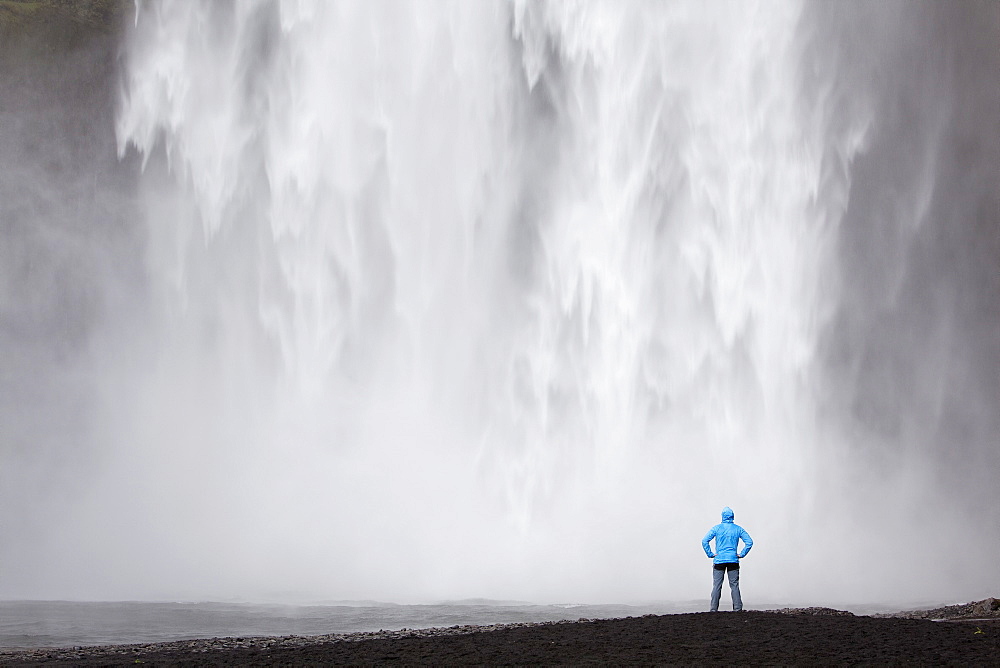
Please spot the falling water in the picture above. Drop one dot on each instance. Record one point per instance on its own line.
(508, 299)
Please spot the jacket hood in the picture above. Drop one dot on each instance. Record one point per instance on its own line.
(727, 514)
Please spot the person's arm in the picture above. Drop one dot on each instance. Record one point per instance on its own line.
(705, 543)
(747, 543)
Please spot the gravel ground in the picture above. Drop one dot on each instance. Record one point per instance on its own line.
(803, 636)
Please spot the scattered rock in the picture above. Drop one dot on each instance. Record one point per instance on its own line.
(987, 608)
(813, 611)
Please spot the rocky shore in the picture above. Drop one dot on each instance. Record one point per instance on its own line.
(988, 609)
(968, 634)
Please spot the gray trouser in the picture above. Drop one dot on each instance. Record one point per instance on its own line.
(734, 585)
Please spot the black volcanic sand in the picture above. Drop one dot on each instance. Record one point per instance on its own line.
(758, 638)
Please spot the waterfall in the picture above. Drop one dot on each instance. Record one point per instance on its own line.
(529, 266)
(510, 298)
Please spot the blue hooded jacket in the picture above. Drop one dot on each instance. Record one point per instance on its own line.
(727, 538)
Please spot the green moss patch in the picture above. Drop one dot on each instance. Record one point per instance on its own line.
(60, 22)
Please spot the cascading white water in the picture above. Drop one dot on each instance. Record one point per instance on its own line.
(499, 299)
(508, 291)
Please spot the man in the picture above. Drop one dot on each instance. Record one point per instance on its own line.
(727, 538)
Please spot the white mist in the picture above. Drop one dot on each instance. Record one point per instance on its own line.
(500, 299)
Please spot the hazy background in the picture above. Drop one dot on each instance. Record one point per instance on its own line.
(415, 302)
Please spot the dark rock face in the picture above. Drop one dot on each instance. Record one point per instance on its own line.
(66, 221)
(53, 16)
